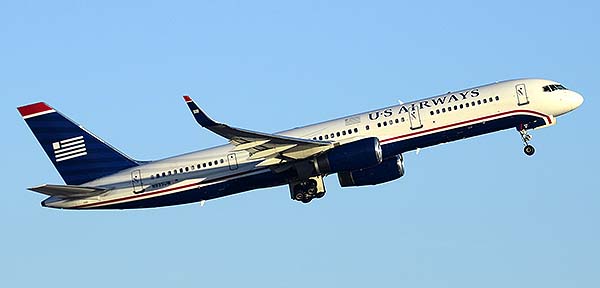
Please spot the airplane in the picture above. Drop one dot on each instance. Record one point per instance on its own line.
(363, 149)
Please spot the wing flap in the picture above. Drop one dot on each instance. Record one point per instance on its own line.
(271, 152)
(249, 145)
(67, 191)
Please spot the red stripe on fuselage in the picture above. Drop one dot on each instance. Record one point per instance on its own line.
(33, 109)
(135, 196)
(164, 190)
(467, 122)
(102, 203)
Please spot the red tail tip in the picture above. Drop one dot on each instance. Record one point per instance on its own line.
(187, 98)
(33, 109)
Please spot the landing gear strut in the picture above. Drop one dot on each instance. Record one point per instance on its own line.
(529, 150)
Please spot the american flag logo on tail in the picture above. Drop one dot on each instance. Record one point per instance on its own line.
(69, 148)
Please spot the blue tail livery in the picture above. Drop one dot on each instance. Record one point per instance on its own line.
(78, 155)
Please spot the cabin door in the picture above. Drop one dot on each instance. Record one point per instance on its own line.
(521, 94)
(136, 181)
(415, 118)
(232, 160)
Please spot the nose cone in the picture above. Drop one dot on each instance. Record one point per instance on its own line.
(569, 101)
(576, 100)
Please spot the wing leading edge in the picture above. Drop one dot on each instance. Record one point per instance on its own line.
(274, 149)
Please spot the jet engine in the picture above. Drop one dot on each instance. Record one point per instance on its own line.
(350, 156)
(390, 169)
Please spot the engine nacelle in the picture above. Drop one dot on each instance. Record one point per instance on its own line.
(351, 156)
(388, 170)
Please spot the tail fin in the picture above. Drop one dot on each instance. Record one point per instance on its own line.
(78, 155)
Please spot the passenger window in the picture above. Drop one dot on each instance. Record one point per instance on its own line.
(320, 137)
(385, 123)
(449, 108)
(473, 103)
(484, 101)
(461, 106)
(163, 174)
(497, 98)
(467, 104)
(443, 110)
(180, 170)
(437, 111)
(455, 107)
(338, 133)
(366, 128)
(209, 163)
(332, 135)
(478, 102)
(356, 129)
(326, 136)
(187, 169)
(378, 124)
(216, 162)
(169, 172)
(431, 113)
(344, 133)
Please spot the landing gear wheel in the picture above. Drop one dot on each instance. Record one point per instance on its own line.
(529, 150)
(306, 199)
(299, 196)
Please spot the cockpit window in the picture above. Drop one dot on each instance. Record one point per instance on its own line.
(554, 87)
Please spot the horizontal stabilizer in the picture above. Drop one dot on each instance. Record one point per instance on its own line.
(68, 191)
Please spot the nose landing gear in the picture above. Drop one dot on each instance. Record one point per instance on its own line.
(529, 150)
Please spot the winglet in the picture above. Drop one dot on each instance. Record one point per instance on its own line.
(199, 115)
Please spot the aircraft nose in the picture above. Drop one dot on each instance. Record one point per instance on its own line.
(576, 100)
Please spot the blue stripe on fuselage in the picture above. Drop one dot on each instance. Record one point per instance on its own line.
(270, 178)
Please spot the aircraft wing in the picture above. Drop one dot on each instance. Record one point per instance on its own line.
(275, 149)
(68, 191)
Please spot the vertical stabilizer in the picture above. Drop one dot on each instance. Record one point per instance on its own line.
(78, 155)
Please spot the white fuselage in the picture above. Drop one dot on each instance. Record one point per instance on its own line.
(443, 116)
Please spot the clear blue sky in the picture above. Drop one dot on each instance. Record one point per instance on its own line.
(474, 213)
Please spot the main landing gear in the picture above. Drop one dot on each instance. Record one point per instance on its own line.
(307, 190)
(529, 150)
